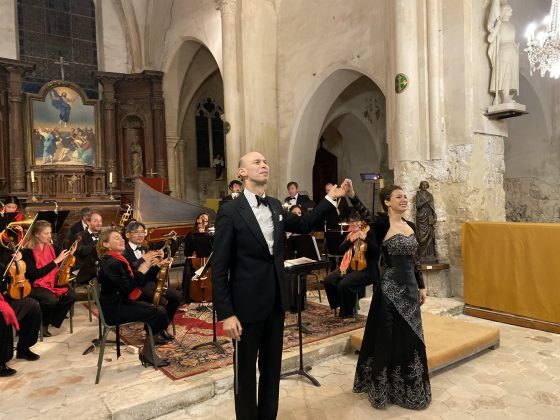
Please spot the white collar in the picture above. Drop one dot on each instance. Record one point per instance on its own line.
(251, 197)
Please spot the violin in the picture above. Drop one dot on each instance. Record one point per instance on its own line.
(64, 271)
(19, 286)
(358, 261)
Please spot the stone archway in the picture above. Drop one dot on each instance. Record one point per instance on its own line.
(348, 109)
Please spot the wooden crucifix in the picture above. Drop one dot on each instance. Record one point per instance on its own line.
(62, 63)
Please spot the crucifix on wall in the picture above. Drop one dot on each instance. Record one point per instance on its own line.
(62, 63)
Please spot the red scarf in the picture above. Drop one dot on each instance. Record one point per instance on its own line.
(44, 257)
(8, 313)
(135, 294)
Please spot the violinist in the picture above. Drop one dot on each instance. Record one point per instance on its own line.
(42, 261)
(13, 214)
(120, 291)
(201, 225)
(28, 315)
(136, 254)
(358, 267)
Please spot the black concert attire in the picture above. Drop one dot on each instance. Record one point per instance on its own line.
(6, 339)
(226, 199)
(392, 366)
(248, 281)
(171, 300)
(337, 214)
(55, 301)
(301, 200)
(342, 288)
(75, 229)
(28, 312)
(116, 284)
(188, 270)
(86, 257)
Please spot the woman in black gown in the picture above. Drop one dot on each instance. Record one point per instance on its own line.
(392, 366)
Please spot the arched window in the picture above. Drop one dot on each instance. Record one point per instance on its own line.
(50, 29)
(209, 133)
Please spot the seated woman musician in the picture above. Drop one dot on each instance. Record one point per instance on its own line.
(11, 208)
(120, 291)
(358, 267)
(42, 260)
(135, 252)
(201, 226)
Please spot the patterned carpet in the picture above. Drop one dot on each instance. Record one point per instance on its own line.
(195, 327)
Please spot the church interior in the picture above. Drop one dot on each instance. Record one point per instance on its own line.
(134, 116)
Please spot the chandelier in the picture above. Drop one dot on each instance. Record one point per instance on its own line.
(543, 43)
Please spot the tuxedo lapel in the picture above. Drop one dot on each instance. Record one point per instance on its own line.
(247, 214)
(276, 212)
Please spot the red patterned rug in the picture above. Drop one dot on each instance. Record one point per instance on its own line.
(195, 327)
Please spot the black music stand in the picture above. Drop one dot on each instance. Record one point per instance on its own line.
(56, 219)
(301, 270)
(203, 249)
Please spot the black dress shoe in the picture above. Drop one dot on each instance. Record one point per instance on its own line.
(27, 355)
(147, 362)
(167, 336)
(160, 341)
(6, 371)
(46, 332)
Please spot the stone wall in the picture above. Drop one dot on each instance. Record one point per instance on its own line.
(532, 200)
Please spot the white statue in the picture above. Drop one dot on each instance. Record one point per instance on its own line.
(503, 53)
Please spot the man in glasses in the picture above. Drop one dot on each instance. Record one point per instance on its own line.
(136, 253)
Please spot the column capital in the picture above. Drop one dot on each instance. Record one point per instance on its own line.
(226, 6)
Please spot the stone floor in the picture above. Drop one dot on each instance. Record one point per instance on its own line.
(520, 380)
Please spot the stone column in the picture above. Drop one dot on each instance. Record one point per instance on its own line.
(407, 103)
(16, 139)
(109, 128)
(172, 163)
(181, 168)
(158, 116)
(232, 94)
(435, 81)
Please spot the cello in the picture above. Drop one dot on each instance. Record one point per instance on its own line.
(64, 271)
(200, 288)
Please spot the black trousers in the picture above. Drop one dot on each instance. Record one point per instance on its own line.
(171, 300)
(6, 341)
(263, 338)
(28, 313)
(341, 290)
(188, 272)
(54, 310)
(137, 311)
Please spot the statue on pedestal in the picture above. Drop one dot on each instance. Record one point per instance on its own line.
(504, 58)
(136, 155)
(425, 220)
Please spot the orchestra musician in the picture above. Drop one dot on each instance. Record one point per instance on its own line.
(80, 225)
(358, 267)
(86, 253)
(135, 254)
(235, 187)
(200, 226)
(120, 291)
(11, 207)
(250, 293)
(28, 315)
(42, 260)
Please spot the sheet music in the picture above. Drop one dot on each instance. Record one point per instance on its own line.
(298, 261)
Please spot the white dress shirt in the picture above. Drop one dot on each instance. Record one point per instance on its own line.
(264, 217)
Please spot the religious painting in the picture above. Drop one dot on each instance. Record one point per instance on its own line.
(63, 127)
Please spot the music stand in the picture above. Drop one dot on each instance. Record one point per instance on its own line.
(203, 249)
(301, 270)
(214, 342)
(55, 218)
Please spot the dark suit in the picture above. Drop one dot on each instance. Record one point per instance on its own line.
(86, 258)
(302, 200)
(249, 282)
(227, 199)
(171, 300)
(74, 230)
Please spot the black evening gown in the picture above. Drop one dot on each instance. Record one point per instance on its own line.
(392, 366)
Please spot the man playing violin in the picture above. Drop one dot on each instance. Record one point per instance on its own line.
(358, 267)
(136, 254)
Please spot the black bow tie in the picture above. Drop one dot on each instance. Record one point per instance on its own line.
(262, 200)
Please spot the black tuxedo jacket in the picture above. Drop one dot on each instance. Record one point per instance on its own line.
(244, 274)
(86, 258)
(74, 230)
(301, 200)
(134, 262)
